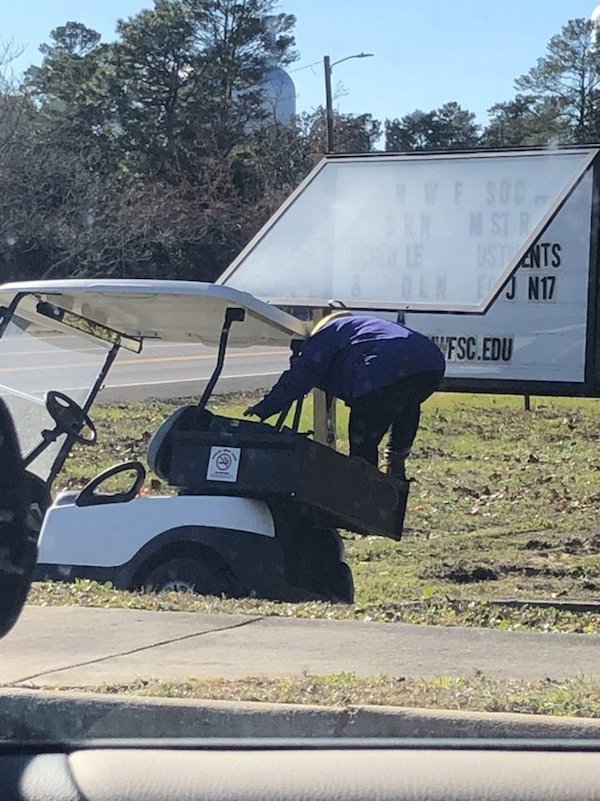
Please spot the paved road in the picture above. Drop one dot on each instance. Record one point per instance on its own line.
(171, 371)
(70, 647)
(162, 370)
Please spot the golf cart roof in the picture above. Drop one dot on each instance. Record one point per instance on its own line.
(175, 311)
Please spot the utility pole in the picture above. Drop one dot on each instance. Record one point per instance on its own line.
(328, 69)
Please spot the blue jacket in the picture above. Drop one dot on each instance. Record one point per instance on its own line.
(351, 357)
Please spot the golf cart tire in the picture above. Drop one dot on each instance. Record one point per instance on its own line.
(313, 555)
(340, 587)
(335, 584)
(197, 574)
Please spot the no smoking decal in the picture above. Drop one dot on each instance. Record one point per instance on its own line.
(223, 464)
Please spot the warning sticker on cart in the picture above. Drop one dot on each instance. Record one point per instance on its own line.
(223, 464)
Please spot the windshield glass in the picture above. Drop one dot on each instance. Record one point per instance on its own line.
(388, 496)
(33, 360)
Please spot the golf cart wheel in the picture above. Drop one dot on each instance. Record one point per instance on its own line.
(183, 574)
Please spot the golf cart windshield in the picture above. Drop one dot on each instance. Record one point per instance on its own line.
(36, 359)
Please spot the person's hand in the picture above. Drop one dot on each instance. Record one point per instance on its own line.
(250, 411)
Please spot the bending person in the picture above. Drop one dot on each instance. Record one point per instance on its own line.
(382, 370)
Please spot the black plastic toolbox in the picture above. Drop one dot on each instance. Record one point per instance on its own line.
(238, 457)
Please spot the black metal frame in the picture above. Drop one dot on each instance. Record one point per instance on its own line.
(65, 449)
(296, 347)
(232, 315)
(592, 355)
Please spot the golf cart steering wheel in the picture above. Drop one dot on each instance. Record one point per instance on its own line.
(70, 418)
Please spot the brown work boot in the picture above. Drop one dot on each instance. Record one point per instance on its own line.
(394, 464)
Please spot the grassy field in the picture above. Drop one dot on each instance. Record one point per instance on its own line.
(504, 504)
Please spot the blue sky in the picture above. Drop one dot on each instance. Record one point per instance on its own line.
(426, 52)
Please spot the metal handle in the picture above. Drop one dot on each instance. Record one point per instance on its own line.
(232, 315)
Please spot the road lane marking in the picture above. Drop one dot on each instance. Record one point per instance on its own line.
(102, 350)
(184, 380)
(160, 383)
(23, 395)
(132, 362)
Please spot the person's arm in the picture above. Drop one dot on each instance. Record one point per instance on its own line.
(307, 371)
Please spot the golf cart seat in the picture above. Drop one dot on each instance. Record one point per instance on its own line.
(192, 419)
(159, 447)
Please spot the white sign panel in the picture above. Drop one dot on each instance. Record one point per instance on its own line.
(223, 464)
(414, 232)
(536, 330)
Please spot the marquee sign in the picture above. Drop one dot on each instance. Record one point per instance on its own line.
(491, 253)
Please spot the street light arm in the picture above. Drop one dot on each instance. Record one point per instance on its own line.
(347, 58)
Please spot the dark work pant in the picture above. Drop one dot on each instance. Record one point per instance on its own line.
(395, 408)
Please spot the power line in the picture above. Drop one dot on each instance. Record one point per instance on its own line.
(306, 67)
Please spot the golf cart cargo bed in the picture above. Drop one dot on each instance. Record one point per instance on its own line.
(237, 457)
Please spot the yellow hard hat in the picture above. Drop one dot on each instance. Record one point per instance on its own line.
(326, 320)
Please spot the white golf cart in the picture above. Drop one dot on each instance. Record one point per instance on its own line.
(257, 507)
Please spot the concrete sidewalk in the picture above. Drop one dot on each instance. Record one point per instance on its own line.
(83, 647)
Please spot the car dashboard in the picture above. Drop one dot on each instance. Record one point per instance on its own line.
(330, 770)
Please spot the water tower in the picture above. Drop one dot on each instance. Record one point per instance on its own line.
(279, 96)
